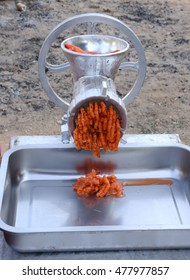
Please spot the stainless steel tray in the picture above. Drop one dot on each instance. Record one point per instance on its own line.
(41, 212)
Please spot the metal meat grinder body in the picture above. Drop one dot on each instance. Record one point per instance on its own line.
(94, 69)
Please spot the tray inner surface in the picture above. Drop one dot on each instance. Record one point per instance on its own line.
(51, 204)
(39, 194)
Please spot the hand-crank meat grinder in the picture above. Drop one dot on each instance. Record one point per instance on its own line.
(95, 69)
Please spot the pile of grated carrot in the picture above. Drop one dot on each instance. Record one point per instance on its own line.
(97, 126)
(101, 186)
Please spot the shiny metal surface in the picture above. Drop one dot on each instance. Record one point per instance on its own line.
(93, 74)
(41, 212)
(105, 63)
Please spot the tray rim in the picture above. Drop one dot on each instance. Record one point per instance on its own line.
(71, 145)
(22, 230)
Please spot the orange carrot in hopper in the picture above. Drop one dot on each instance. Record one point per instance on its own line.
(73, 48)
(79, 50)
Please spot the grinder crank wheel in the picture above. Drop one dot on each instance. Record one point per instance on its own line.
(91, 19)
